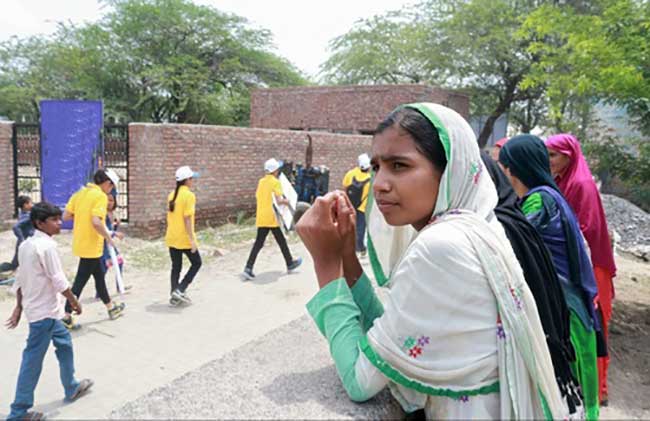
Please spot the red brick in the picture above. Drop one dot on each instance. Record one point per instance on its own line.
(353, 109)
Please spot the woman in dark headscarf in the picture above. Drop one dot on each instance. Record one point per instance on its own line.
(537, 265)
(526, 163)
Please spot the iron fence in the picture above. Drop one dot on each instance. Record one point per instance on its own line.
(27, 162)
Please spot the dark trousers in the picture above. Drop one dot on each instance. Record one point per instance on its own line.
(86, 268)
(177, 264)
(14, 261)
(262, 232)
(361, 231)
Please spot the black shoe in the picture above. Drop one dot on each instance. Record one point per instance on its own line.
(248, 274)
(297, 262)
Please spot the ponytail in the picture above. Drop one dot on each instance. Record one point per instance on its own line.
(172, 203)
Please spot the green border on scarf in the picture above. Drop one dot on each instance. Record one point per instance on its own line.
(380, 276)
(444, 139)
(399, 378)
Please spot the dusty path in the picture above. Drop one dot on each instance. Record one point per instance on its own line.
(246, 349)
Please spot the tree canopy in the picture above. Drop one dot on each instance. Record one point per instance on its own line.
(149, 60)
(546, 63)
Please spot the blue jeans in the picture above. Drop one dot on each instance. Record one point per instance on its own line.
(38, 341)
(361, 231)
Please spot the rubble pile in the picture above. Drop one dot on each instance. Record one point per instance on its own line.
(629, 224)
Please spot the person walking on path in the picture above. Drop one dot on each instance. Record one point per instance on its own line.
(265, 220)
(23, 229)
(112, 225)
(87, 208)
(573, 177)
(40, 286)
(180, 237)
(356, 184)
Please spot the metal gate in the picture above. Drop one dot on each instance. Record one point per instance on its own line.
(27, 162)
(26, 141)
(116, 157)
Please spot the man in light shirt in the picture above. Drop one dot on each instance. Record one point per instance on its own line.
(41, 286)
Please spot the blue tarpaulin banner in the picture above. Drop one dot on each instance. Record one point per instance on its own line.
(71, 146)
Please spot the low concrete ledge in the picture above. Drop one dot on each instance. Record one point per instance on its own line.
(286, 374)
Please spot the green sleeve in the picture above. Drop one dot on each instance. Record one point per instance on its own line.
(337, 317)
(532, 204)
(367, 301)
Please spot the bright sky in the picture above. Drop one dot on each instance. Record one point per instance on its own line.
(301, 29)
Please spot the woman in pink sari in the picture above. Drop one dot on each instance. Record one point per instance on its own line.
(574, 178)
(494, 153)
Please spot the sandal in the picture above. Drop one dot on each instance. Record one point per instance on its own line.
(83, 387)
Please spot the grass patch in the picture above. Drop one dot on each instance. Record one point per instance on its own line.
(151, 256)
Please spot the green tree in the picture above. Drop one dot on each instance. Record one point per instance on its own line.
(470, 45)
(149, 60)
(388, 48)
(591, 53)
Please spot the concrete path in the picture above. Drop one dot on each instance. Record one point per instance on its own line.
(242, 350)
(153, 343)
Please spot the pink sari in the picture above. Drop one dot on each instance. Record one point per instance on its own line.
(579, 189)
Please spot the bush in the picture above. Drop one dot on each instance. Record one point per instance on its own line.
(623, 166)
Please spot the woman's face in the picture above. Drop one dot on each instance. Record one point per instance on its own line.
(559, 162)
(189, 182)
(406, 182)
(494, 153)
(111, 202)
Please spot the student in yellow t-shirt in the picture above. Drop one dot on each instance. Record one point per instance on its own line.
(87, 207)
(265, 219)
(180, 236)
(356, 184)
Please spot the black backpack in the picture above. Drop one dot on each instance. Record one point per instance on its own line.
(355, 191)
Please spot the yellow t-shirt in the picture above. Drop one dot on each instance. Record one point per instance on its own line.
(89, 201)
(360, 176)
(265, 217)
(185, 205)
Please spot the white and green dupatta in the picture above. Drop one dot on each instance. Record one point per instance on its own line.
(459, 269)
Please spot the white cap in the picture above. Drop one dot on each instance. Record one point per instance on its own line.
(364, 161)
(185, 172)
(112, 175)
(271, 165)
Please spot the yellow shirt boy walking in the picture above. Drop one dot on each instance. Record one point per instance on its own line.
(265, 220)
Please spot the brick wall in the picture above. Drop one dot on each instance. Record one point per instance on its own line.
(6, 172)
(352, 109)
(230, 160)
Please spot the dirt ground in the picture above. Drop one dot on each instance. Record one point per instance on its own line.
(629, 343)
(629, 379)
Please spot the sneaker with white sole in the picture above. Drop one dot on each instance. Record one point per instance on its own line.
(116, 311)
(178, 295)
(248, 274)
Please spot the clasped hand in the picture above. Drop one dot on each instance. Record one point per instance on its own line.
(328, 231)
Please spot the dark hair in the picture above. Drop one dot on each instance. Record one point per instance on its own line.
(100, 176)
(172, 203)
(421, 130)
(114, 196)
(43, 210)
(22, 201)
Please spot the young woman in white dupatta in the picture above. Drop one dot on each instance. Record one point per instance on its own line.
(459, 334)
